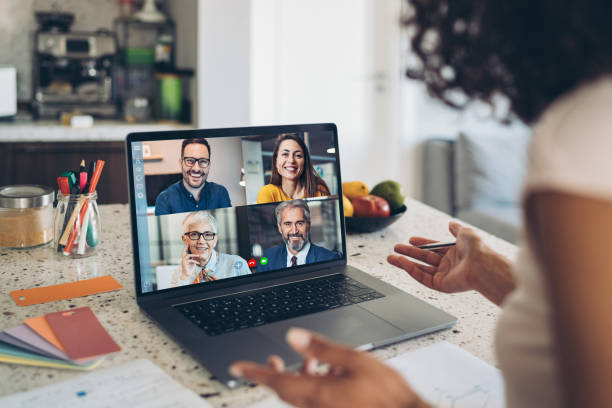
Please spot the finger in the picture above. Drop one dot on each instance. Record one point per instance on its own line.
(310, 366)
(276, 363)
(314, 346)
(416, 241)
(407, 264)
(429, 257)
(454, 227)
(421, 273)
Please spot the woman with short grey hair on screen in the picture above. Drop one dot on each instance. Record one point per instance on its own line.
(200, 261)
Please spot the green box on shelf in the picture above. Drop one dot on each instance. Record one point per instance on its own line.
(138, 56)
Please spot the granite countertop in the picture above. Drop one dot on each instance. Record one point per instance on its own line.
(141, 338)
(53, 131)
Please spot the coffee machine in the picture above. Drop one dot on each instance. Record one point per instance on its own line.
(73, 71)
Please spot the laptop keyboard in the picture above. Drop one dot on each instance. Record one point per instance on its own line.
(234, 312)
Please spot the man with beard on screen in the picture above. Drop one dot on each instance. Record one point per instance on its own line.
(293, 221)
(193, 192)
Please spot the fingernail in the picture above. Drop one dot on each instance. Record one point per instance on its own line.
(312, 367)
(298, 338)
(235, 371)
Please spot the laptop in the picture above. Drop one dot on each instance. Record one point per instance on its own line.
(228, 274)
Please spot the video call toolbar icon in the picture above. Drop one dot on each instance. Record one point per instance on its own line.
(252, 263)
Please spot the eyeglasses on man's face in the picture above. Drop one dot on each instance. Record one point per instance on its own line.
(191, 161)
(195, 235)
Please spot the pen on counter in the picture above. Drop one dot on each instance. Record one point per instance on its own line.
(436, 245)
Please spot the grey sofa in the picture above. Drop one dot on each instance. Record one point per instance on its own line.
(477, 178)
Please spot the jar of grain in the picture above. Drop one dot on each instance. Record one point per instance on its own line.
(26, 216)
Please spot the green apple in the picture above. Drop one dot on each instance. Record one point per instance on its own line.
(391, 191)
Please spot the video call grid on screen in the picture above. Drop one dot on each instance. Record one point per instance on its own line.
(247, 231)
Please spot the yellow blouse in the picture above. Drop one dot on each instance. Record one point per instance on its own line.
(271, 194)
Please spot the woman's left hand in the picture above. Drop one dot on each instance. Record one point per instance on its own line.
(354, 378)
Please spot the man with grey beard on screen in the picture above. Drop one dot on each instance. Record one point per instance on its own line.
(293, 222)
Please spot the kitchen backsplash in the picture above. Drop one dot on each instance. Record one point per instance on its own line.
(17, 26)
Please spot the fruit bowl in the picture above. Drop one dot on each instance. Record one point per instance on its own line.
(371, 224)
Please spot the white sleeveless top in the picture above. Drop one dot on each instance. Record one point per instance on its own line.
(571, 151)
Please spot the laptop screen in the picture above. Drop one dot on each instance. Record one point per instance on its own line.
(219, 204)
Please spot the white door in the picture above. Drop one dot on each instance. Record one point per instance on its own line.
(332, 61)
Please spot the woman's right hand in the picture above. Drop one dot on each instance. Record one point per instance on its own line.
(469, 265)
(447, 269)
(188, 263)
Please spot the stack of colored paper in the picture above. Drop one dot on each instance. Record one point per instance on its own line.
(72, 339)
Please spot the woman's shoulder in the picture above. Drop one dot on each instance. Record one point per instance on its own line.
(572, 143)
(269, 193)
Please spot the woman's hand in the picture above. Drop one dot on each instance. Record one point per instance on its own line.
(188, 263)
(354, 378)
(469, 265)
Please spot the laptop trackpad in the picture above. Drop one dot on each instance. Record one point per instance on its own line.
(350, 325)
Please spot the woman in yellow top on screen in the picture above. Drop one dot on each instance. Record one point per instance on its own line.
(293, 175)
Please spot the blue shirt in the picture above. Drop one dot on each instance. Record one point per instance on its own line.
(177, 199)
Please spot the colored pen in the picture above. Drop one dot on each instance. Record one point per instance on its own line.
(436, 245)
(90, 172)
(64, 186)
(82, 176)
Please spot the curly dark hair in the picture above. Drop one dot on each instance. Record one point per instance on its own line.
(531, 51)
(308, 178)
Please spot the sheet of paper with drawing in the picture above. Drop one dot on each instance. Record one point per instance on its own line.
(137, 384)
(445, 375)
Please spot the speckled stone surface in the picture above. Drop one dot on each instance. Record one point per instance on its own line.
(52, 131)
(141, 338)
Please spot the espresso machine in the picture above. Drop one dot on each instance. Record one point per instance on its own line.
(73, 71)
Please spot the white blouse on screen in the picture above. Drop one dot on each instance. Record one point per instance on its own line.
(571, 152)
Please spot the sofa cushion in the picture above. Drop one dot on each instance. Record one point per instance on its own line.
(489, 169)
(503, 221)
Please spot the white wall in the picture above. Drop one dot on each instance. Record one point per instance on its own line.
(332, 61)
(223, 68)
(267, 62)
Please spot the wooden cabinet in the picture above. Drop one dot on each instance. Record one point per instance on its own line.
(43, 162)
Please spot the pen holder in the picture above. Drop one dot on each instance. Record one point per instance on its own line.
(76, 226)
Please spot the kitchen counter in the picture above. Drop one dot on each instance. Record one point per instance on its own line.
(141, 338)
(53, 131)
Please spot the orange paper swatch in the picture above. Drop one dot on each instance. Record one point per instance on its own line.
(34, 296)
(41, 327)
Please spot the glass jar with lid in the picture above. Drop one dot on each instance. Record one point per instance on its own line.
(26, 216)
